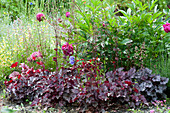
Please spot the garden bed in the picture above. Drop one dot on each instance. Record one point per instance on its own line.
(87, 59)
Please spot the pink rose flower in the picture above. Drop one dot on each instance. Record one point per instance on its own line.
(40, 17)
(67, 49)
(103, 24)
(166, 27)
(34, 56)
(67, 14)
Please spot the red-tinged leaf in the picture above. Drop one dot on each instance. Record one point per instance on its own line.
(19, 76)
(10, 81)
(14, 64)
(15, 84)
(44, 76)
(14, 75)
(55, 59)
(93, 79)
(5, 82)
(83, 63)
(34, 58)
(81, 88)
(88, 75)
(38, 71)
(77, 60)
(135, 90)
(35, 102)
(40, 63)
(75, 99)
(97, 58)
(128, 82)
(87, 83)
(107, 83)
(78, 77)
(55, 49)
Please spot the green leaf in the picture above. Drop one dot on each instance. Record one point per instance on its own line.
(124, 13)
(6, 110)
(129, 11)
(153, 4)
(126, 41)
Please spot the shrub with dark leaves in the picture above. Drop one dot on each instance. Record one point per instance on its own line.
(22, 86)
(93, 94)
(60, 88)
(85, 85)
(122, 89)
(152, 86)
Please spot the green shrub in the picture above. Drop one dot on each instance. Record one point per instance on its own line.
(120, 41)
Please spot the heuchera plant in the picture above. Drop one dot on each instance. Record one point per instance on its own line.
(151, 85)
(57, 89)
(123, 89)
(84, 85)
(21, 86)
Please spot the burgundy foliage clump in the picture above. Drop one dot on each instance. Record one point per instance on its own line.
(152, 86)
(84, 85)
(123, 89)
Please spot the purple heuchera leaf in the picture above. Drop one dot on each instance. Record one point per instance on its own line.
(148, 84)
(148, 71)
(157, 78)
(164, 80)
(35, 102)
(142, 86)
